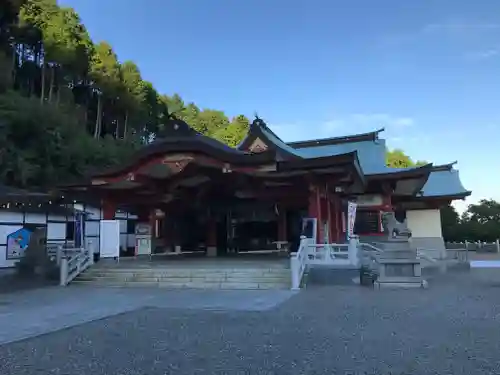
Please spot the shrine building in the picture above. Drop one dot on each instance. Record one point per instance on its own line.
(199, 195)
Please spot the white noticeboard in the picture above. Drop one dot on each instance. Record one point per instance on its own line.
(110, 239)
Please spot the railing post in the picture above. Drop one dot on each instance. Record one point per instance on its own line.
(63, 272)
(353, 251)
(497, 242)
(58, 255)
(90, 254)
(294, 267)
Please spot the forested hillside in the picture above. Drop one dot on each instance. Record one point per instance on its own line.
(67, 104)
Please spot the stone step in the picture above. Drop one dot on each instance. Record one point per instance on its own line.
(196, 276)
(187, 284)
(220, 275)
(269, 279)
(190, 271)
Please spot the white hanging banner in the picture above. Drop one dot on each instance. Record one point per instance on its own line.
(351, 218)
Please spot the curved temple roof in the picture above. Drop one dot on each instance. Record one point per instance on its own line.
(444, 181)
(440, 181)
(366, 153)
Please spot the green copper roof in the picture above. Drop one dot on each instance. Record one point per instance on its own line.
(371, 154)
(444, 183)
(371, 151)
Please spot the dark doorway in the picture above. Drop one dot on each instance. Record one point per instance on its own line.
(222, 242)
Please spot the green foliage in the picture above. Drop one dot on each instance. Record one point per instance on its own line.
(481, 222)
(398, 159)
(45, 145)
(67, 105)
(234, 132)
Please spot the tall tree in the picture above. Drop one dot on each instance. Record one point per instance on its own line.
(398, 159)
(105, 72)
(233, 133)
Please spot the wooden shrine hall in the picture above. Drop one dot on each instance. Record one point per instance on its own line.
(198, 194)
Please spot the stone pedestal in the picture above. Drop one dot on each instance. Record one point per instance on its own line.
(398, 265)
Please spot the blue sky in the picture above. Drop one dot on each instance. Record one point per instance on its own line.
(427, 71)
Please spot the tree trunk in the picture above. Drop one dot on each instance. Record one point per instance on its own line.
(51, 84)
(125, 126)
(14, 65)
(85, 114)
(97, 129)
(117, 129)
(42, 95)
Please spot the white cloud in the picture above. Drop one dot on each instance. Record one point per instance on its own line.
(381, 120)
(466, 32)
(342, 125)
(483, 55)
(458, 28)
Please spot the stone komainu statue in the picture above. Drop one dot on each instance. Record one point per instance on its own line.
(394, 228)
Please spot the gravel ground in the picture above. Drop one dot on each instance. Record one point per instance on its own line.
(451, 328)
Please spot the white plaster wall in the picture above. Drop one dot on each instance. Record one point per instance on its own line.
(11, 221)
(424, 223)
(426, 229)
(56, 231)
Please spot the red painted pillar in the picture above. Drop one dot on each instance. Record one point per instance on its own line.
(314, 210)
(108, 210)
(319, 237)
(337, 214)
(329, 216)
(282, 225)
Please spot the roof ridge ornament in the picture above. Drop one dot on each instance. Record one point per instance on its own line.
(259, 122)
(175, 127)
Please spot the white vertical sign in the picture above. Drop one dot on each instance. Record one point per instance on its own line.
(109, 239)
(351, 218)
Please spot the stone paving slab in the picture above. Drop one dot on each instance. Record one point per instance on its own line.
(40, 311)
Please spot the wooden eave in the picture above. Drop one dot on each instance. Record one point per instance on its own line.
(194, 146)
(371, 136)
(419, 172)
(256, 132)
(441, 197)
(349, 161)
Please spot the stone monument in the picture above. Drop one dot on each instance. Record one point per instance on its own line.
(398, 262)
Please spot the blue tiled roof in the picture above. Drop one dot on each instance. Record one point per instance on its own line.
(372, 160)
(371, 154)
(278, 142)
(443, 183)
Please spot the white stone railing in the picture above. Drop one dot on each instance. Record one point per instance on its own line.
(423, 254)
(369, 255)
(328, 254)
(298, 263)
(493, 247)
(311, 254)
(55, 251)
(73, 262)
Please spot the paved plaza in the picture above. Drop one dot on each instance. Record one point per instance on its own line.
(451, 328)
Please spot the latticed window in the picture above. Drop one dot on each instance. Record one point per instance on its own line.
(367, 222)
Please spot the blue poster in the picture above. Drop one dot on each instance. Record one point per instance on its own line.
(17, 243)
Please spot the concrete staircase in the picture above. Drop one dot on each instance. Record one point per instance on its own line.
(194, 275)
